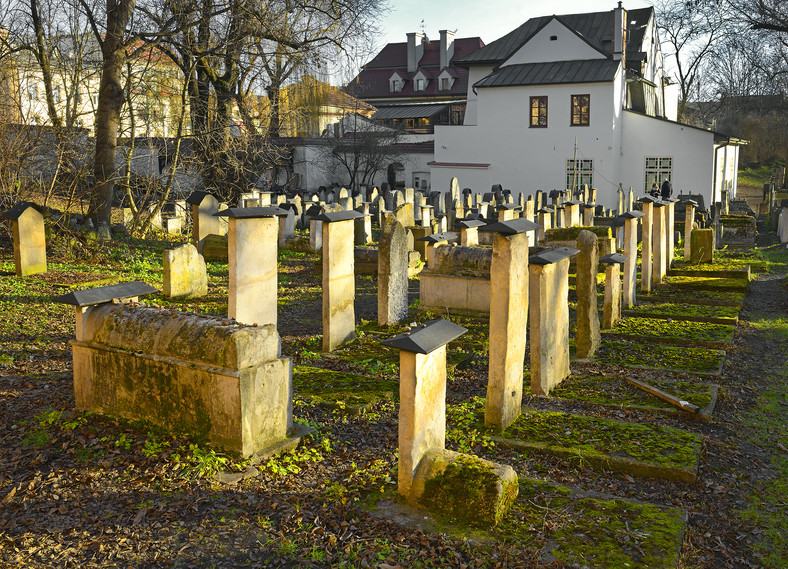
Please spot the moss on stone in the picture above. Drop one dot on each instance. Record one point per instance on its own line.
(631, 354)
(469, 490)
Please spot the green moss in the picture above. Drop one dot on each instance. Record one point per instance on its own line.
(677, 294)
(571, 233)
(346, 391)
(654, 444)
(616, 391)
(630, 354)
(682, 310)
(467, 490)
(706, 283)
(674, 330)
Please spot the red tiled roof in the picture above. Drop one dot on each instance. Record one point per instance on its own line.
(373, 81)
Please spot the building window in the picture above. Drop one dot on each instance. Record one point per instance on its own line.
(539, 112)
(579, 172)
(396, 86)
(581, 110)
(56, 93)
(445, 84)
(657, 169)
(32, 91)
(419, 84)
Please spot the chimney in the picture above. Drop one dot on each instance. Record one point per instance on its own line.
(447, 47)
(620, 33)
(415, 50)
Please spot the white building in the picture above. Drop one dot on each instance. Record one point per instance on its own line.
(579, 99)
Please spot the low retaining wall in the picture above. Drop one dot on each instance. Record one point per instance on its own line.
(226, 382)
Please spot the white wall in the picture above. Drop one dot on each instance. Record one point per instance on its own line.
(526, 159)
(566, 47)
(690, 148)
(474, 74)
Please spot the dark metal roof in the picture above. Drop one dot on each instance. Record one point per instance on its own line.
(408, 111)
(103, 294)
(438, 237)
(427, 337)
(552, 73)
(511, 227)
(596, 28)
(613, 258)
(332, 216)
(20, 208)
(552, 255)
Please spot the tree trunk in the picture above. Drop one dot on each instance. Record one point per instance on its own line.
(110, 102)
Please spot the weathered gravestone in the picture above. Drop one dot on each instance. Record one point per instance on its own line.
(631, 252)
(647, 243)
(611, 313)
(339, 288)
(204, 205)
(252, 263)
(689, 222)
(587, 338)
(660, 242)
(392, 274)
(508, 321)
(185, 274)
(549, 313)
(428, 474)
(29, 237)
(702, 246)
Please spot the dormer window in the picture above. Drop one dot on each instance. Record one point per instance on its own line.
(420, 81)
(419, 84)
(445, 81)
(396, 83)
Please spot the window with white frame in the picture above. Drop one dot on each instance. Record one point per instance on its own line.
(32, 90)
(419, 84)
(56, 93)
(657, 170)
(579, 172)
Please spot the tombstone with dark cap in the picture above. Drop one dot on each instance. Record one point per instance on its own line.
(29, 237)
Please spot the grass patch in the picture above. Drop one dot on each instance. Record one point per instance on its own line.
(338, 390)
(705, 283)
(667, 294)
(630, 354)
(683, 310)
(669, 330)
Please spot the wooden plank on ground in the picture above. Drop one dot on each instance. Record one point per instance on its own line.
(680, 403)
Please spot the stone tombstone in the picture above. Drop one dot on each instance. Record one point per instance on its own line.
(392, 274)
(185, 274)
(544, 220)
(528, 213)
(252, 263)
(344, 193)
(286, 227)
(782, 232)
(630, 200)
(659, 243)
(506, 212)
(404, 214)
(646, 240)
(399, 199)
(588, 214)
(373, 194)
(689, 220)
(454, 188)
(670, 230)
(549, 328)
(432, 241)
(611, 313)
(467, 197)
(631, 252)
(410, 195)
(588, 337)
(315, 227)
(363, 226)
(204, 205)
(620, 195)
(701, 246)
(339, 288)
(227, 383)
(508, 321)
(29, 237)
(298, 209)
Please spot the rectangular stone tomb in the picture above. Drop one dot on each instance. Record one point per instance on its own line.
(208, 377)
(458, 281)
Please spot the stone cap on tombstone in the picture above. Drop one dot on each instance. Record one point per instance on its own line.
(511, 227)
(573, 202)
(508, 206)
(618, 221)
(613, 259)
(553, 255)
(693, 203)
(104, 294)
(332, 216)
(545, 210)
(648, 199)
(672, 200)
(15, 212)
(438, 237)
(660, 204)
(426, 337)
(196, 197)
(251, 212)
(587, 206)
(469, 223)
(634, 214)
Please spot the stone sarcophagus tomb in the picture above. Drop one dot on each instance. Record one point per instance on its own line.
(210, 377)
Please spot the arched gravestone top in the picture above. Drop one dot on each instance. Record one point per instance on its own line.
(427, 337)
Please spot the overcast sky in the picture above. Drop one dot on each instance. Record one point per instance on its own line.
(487, 19)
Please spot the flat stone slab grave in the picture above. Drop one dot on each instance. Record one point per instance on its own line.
(633, 448)
(700, 297)
(347, 392)
(672, 333)
(706, 362)
(692, 284)
(615, 392)
(686, 312)
(712, 270)
(589, 531)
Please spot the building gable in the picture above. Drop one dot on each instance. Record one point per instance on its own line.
(555, 41)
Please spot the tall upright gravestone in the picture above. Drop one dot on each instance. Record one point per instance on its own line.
(339, 288)
(588, 337)
(508, 320)
(204, 222)
(29, 236)
(392, 274)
